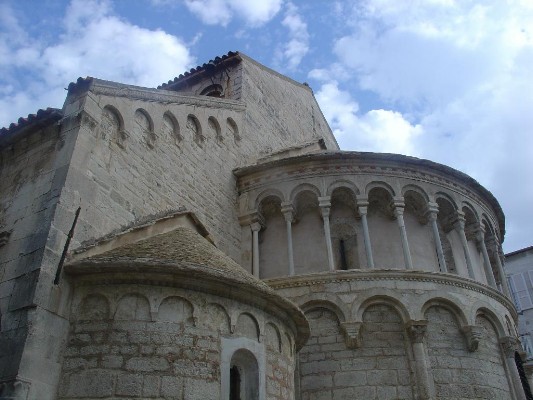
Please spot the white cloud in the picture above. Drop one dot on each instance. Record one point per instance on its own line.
(458, 74)
(376, 130)
(298, 45)
(94, 42)
(221, 12)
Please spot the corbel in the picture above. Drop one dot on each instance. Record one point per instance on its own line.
(352, 333)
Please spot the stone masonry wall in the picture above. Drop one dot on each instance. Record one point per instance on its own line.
(33, 171)
(380, 369)
(152, 342)
(367, 328)
(281, 109)
(459, 373)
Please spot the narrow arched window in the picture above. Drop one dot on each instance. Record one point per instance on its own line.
(244, 376)
(235, 384)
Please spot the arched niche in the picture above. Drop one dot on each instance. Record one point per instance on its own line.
(93, 307)
(488, 370)
(345, 230)
(273, 250)
(170, 128)
(176, 309)
(384, 232)
(450, 241)
(273, 337)
(446, 346)
(233, 129)
(144, 127)
(133, 307)
(419, 232)
(214, 127)
(247, 326)
(216, 318)
(194, 129)
(112, 125)
(384, 347)
(309, 243)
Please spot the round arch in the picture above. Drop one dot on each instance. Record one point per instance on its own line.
(379, 184)
(447, 304)
(381, 298)
(304, 187)
(344, 184)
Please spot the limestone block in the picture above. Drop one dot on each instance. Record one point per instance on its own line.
(129, 385)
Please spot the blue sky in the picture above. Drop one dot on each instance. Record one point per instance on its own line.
(447, 80)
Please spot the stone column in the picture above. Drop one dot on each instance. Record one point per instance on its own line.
(417, 331)
(288, 212)
(495, 247)
(362, 206)
(325, 206)
(480, 236)
(432, 212)
(459, 226)
(509, 346)
(398, 207)
(256, 227)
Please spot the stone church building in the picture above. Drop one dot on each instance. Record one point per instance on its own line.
(207, 239)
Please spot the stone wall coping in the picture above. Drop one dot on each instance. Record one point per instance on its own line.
(314, 279)
(355, 158)
(192, 277)
(115, 89)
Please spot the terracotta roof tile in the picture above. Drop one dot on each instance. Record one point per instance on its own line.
(199, 68)
(40, 116)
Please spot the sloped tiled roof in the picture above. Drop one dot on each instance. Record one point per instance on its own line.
(40, 117)
(211, 63)
(181, 246)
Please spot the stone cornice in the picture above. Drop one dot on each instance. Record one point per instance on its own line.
(391, 275)
(113, 89)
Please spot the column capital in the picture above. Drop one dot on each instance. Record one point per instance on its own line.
(398, 202)
(510, 345)
(416, 330)
(473, 335)
(250, 217)
(287, 209)
(255, 226)
(352, 333)
(324, 201)
(493, 245)
(361, 200)
(480, 232)
(397, 205)
(459, 223)
(325, 205)
(432, 210)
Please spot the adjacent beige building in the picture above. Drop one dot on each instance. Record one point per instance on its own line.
(208, 239)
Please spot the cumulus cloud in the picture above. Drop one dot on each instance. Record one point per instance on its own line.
(375, 130)
(93, 42)
(298, 45)
(221, 12)
(458, 75)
